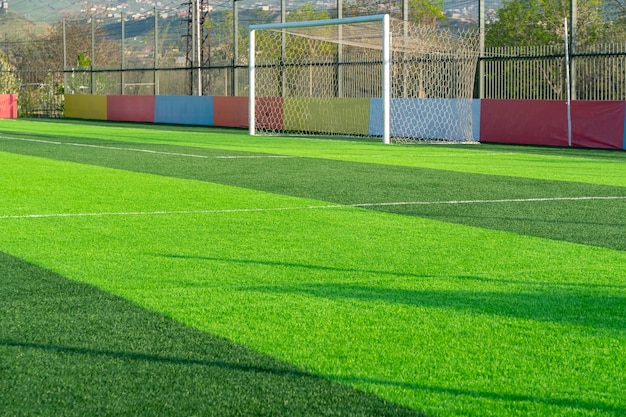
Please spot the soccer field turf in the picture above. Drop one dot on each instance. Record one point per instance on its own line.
(168, 270)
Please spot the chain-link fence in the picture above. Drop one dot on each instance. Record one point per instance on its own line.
(598, 72)
(190, 51)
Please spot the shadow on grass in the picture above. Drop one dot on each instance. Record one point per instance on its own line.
(603, 228)
(137, 356)
(572, 303)
(392, 273)
(67, 348)
(507, 397)
(548, 304)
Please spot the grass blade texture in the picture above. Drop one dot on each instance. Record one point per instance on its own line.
(189, 270)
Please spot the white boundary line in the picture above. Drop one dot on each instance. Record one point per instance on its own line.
(117, 148)
(330, 206)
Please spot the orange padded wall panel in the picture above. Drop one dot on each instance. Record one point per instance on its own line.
(230, 111)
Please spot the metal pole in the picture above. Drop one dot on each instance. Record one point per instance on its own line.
(93, 55)
(251, 83)
(405, 35)
(567, 88)
(235, 48)
(123, 76)
(386, 80)
(64, 57)
(481, 45)
(156, 52)
(283, 48)
(339, 72)
(573, 19)
(198, 47)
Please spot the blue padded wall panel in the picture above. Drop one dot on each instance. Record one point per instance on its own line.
(425, 118)
(187, 110)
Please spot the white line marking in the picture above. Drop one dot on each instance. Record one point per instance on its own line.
(330, 206)
(116, 148)
(504, 200)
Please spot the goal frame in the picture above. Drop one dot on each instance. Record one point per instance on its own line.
(386, 62)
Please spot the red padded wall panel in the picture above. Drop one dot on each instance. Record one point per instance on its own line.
(269, 113)
(526, 122)
(131, 108)
(8, 106)
(595, 124)
(598, 124)
(230, 111)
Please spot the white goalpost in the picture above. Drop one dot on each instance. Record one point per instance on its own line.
(368, 76)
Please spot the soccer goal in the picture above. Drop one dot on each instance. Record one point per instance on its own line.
(369, 76)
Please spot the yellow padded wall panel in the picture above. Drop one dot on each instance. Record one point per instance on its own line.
(349, 116)
(81, 106)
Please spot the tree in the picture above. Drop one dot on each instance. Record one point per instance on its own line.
(616, 20)
(617, 8)
(9, 83)
(307, 11)
(426, 12)
(540, 22)
(422, 12)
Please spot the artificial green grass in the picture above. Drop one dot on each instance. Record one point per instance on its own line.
(580, 165)
(70, 349)
(593, 222)
(458, 320)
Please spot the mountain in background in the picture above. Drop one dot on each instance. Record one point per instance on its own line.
(14, 25)
(52, 11)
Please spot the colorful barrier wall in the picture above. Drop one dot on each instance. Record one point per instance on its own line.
(348, 116)
(269, 113)
(79, 106)
(8, 106)
(595, 124)
(185, 110)
(427, 118)
(598, 124)
(131, 108)
(230, 111)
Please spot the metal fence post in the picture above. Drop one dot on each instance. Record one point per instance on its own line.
(93, 56)
(123, 44)
(572, 48)
(156, 52)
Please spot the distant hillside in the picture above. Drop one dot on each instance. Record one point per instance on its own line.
(52, 11)
(42, 10)
(14, 26)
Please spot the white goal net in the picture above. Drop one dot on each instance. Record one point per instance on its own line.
(364, 76)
